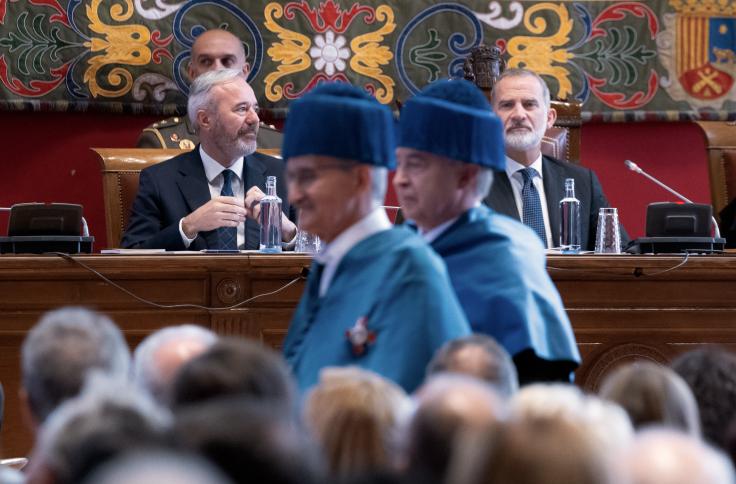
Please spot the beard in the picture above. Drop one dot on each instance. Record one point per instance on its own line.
(241, 144)
(524, 140)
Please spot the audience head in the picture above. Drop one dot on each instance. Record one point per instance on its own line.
(338, 144)
(61, 349)
(223, 110)
(250, 441)
(606, 424)
(653, 394)
(711, 375)
(357, 417)
(480, 356)
(160, 355)
(521, 99)
(158, 467)
(235, 367)
(449, 144)
(448, 406)
(664, 456)
(216, 49)
(537, 450)
(109, 418)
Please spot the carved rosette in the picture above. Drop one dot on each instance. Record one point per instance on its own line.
(615, 357)
(229, 291)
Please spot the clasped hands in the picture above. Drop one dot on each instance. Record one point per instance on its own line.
(230, 212)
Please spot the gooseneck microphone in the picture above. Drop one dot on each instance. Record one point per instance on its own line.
(635, 168)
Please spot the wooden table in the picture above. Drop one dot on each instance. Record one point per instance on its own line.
(622, 307)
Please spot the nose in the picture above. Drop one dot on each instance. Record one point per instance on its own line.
(400, 179)
(252, 117)
(517, 113)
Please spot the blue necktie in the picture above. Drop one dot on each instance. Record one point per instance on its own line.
(228, 236)
(532, 214)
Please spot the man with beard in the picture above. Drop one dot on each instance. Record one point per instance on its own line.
(212, 50)
(532, 185)
(200, 199)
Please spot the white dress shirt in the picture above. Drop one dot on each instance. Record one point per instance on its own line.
(517, 183)
(332, 253)
(213, 171)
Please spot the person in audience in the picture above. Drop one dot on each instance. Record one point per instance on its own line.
(531, 451)
(377, 296)
(356, 416)
(653, 394)
(711, 375)
(448, 406)
(250, 441)
(201, 199)
(212, 49)
(607, 425)
(61, 350)
(529, 183)
(234, 367)
(665, 456)
(158, 467)
(496, 264)
(480, 356)
(162, 353)
(108, 418)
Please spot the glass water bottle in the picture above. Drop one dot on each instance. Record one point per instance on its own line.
(270, 218)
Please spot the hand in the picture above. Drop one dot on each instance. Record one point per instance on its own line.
(253, 202)
(218, 212)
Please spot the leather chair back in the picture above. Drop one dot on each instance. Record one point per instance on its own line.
(121, 169)
(721, 141)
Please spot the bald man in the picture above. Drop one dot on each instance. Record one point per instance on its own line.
(212, 50)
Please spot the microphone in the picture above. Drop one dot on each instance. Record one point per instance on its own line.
(635, 168)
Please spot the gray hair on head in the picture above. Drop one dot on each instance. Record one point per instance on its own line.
(518, 72)
(200, 91)
(379, 182)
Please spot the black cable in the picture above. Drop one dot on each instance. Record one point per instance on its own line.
(302, 276)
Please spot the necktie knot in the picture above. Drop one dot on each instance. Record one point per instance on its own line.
(528, 174)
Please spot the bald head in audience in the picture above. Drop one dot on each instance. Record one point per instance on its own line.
(447, 406)
(158, 467)
(661, 456)
(161, 354)
(480, 356)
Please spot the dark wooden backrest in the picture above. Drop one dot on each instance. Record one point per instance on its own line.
(721, 139)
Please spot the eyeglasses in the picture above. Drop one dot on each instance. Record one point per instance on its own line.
(304, 177)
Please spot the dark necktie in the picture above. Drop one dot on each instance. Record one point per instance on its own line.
(532, 214)
(228, 236)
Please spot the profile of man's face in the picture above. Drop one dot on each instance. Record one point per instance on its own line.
(216, 49)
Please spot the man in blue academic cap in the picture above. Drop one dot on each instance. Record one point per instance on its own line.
(377, 297)
(449, 143)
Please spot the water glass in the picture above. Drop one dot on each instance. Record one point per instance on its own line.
(306, 242)
(608, 235)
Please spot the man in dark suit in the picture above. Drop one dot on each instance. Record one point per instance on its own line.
(200, 199)
(531, 187)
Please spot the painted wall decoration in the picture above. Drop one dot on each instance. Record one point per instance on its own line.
(625, 60)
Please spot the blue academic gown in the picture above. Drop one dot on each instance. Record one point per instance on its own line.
(400, 286)
(497, 267)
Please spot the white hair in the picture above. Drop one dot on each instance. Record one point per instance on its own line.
(200, 97)
(146, 369)
(484, 181)
(379, 182)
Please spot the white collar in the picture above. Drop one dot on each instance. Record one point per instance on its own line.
(431, 235)
(212, 167)
(375, 221)
(513, 166)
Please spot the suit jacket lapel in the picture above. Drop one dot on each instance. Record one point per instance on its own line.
(553, 192)
(501, 196)
(254, 174)
(196, 191)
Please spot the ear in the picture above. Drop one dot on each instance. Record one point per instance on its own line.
(551, 117)
(204, 119)
(26, 413)
(246, 69)
(363, 180)
(190, 71)
(467, 174)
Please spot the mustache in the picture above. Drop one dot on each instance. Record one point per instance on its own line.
(249, 130)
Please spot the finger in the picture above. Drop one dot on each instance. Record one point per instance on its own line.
(230, 200)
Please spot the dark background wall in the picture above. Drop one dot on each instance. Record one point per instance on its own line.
(46, 158)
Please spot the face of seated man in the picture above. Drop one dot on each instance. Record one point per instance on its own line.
(229, 126)
(520, 103)
(331, 193)
(216, 49)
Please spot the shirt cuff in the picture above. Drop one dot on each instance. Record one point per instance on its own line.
(184, 239)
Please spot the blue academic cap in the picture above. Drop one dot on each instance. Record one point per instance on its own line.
(340, 120)
(452, 118)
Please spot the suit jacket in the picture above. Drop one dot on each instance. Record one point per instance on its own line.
(554, 172)
(175, 188)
